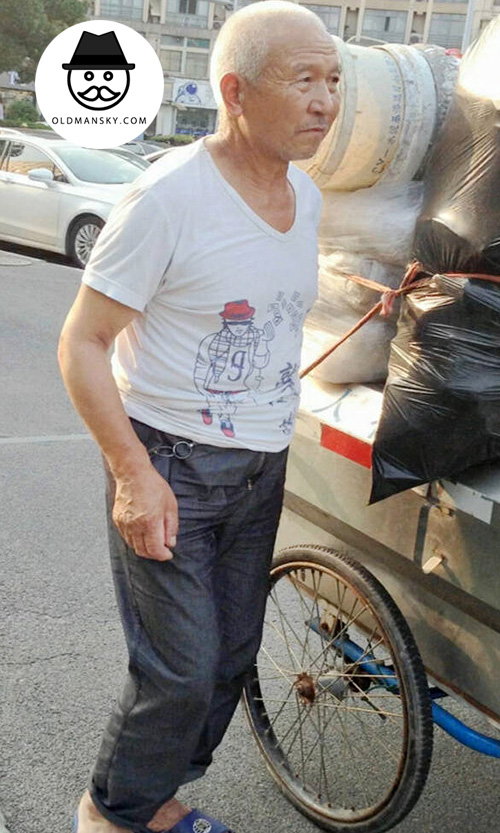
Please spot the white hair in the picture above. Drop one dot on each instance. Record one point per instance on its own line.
(243, 45)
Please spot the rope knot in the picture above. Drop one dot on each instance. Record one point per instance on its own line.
(387, 300)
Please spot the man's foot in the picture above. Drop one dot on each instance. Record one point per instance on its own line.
(227, 427)
(206, 416)
(168, 815)
(90, 819)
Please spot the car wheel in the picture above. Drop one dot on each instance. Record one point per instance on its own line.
(82, 238)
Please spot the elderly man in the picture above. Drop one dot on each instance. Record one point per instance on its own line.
(203, 275)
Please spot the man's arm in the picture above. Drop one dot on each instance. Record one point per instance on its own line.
(145, 508)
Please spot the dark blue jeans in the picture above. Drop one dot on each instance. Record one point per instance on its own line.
(193, 625)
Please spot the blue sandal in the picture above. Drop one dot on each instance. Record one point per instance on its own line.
(194, 822)
(198, 822)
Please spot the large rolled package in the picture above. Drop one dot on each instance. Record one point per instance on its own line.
(441, 409)
(367, 233)
(340, 305)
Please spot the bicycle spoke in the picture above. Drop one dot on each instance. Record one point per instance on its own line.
(275, 664)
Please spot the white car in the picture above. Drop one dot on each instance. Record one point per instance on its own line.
(56, 195)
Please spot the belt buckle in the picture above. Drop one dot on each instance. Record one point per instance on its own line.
(182, 449)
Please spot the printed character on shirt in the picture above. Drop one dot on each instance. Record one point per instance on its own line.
(226, 363)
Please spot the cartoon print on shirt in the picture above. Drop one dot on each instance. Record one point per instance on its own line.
(293, 309)
(287, 390)
(228, 363)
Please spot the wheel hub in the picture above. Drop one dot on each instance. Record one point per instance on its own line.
(305, 688)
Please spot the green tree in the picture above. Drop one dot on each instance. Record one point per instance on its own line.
(27, 27)
(22, 111)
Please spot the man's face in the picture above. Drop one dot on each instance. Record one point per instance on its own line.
(238, 328)
(291, 107)
(98, 89)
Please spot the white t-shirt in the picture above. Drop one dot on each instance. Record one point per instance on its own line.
(214, 356)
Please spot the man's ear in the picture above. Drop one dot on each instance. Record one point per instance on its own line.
(232, 93)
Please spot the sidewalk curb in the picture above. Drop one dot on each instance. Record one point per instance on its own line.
(11, 259)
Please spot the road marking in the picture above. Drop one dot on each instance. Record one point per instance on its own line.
(56, 438)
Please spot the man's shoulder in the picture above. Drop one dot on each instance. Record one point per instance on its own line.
(174, 171)
(308, 194)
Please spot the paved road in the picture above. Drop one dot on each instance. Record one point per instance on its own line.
(62, 654)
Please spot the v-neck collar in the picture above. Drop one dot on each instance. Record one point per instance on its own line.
(256, 218)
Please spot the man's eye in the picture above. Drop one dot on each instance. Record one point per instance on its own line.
(305, 79)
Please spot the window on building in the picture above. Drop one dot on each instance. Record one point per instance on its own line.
(384, 25)
(171, 61)
(196, 65)
(195, 121)
(198, 43)
(172, 40)
(187, 12)
(185, 56)
(447, 29)
(127, 9)
(188, 6)
(330, 15)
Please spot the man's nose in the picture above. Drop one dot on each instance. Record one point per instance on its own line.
(324, 99)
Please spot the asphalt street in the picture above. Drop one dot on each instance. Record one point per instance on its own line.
(62, 654)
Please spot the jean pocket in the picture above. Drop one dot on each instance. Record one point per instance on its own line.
(162, 464)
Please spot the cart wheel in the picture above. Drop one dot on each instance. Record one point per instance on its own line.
(338, 699)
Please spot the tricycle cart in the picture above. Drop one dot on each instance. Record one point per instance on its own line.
(377, 614)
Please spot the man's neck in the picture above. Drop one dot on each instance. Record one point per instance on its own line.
(260, 181)
(246, 166)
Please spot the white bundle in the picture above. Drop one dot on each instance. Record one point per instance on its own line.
(361, 359)
(377, 223)
(367, 233)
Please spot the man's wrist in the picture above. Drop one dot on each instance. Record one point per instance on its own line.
(127, 464)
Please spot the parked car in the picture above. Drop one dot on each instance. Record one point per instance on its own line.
(157, 154)
(56, 195)
(143, 146)
(141, 161)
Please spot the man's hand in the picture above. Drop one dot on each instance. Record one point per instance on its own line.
(145, 513)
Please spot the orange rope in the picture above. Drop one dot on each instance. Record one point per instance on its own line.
(385, 305)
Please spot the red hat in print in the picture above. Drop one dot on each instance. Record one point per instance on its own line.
(237, 311)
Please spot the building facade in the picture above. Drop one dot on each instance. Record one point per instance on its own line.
(183, 32)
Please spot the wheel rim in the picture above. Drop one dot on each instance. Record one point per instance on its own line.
(320, 717)
(85, 239)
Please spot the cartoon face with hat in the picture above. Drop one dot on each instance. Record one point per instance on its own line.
(99, 75)
(237, 316)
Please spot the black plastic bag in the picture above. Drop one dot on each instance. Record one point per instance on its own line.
(459, 227)
(441, 409)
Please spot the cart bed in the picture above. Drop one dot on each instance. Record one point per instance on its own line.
(435, 548)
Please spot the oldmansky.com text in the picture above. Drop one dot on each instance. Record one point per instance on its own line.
(98, 120)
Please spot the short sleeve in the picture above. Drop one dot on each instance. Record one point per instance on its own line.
(133, 251)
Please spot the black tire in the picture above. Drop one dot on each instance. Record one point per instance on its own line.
(82, 237)
(311, 697)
